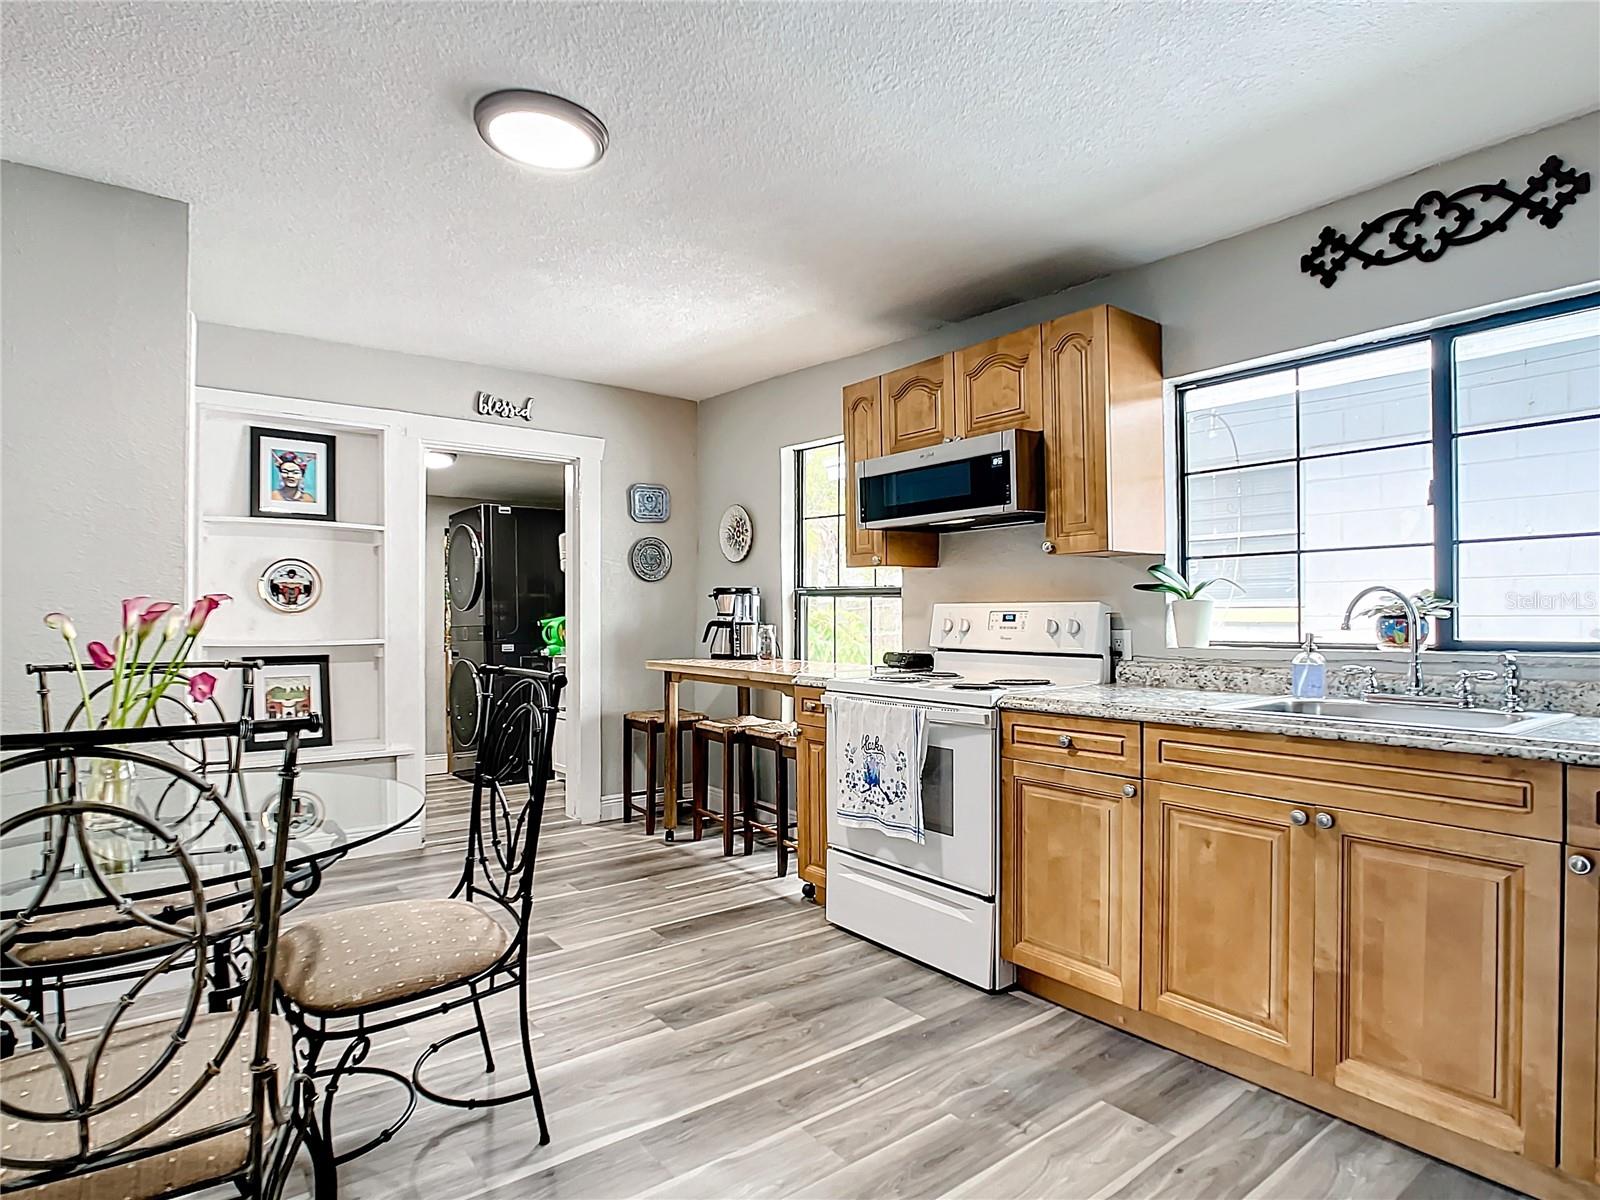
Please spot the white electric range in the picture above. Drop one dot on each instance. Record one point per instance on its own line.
(938, 901)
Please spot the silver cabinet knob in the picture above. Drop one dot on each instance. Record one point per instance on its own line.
(1048, 547)
(1324, 820)
(1580, 864)
(1129, 790)
(877, 559)
(1065, 741)
(1298, 817)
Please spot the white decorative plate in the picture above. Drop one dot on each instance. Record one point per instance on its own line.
(736, 533)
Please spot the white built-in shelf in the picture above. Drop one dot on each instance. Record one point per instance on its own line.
(263, 524)
(287, 644)
(339, 752)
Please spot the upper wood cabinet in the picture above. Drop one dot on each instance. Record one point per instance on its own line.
(1104, 434)
(918, 406)
(1069, 891)
(1438, 963)
(1580, 1034)
(1229, 896)
(863, 439)
(997, 385)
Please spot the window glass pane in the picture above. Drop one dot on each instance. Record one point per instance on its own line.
(820, 567)
(885, 625)
(887, 577)
(819, 479)
(1267, 609)
(1529, 372)
(1230, 424)
(1244, 511)
(1375, 399)
(816, 627)
(1534, 480)
(1332, 578)
(1372, 498)
(1544, 591)
(854, 577)
(852, 629)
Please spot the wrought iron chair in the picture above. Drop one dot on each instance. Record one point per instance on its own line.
(347, 976)
(163, 1102)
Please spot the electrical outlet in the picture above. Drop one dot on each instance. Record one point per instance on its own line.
(1122, 643)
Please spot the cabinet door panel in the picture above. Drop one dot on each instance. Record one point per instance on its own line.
(1583, 806)
(1074, 398)
(1229, 890)
(1580, 1037)
(997, 384)
(1070, 888)
(918, 409)
(811, 807)
(863, 439)
(1437, 969)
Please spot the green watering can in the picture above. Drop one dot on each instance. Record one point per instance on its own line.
(554, 632)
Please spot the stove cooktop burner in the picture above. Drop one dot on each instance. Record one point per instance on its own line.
(1021, 682)
(973, 685)
(896, 676)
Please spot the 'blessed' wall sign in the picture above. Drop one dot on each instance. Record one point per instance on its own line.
(490, 405)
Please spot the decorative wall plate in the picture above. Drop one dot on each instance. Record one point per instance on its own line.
(290, 585)
(650, 559)
(736, 533)
(649, 503)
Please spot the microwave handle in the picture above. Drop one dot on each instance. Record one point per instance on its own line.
(981, 717)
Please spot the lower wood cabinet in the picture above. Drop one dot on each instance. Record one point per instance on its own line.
(1437, 966)
(811, 807)
(1069, 899)
(1229, 893)
(1580, 1038)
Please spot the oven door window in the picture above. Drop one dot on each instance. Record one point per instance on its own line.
(938, 791)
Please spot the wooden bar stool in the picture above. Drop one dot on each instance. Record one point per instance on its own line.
(652, 723)
(725, 732)
(783, 740)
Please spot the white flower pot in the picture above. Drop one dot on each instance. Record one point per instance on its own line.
(1191, 623)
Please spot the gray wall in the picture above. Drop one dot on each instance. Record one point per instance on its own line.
(1224, 304)
(94, 357)
(648, 438)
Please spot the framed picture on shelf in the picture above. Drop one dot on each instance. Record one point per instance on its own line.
(291, 685)
(292, 474)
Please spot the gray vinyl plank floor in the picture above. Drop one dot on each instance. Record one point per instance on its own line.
(701, 1031)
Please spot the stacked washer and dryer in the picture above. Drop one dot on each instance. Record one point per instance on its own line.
(503, 576)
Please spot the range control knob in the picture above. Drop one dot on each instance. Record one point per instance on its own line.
(965, 625)
(948, 625)
(1074, 626)
(1052, 627)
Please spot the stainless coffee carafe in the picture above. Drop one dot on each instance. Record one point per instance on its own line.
(734, 631)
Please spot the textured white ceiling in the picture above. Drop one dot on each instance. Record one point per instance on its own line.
(508, 480)
(787, 183)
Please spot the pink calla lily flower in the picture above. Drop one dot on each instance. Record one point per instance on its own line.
(153, 614)
(201, 686)
(100, 655)
(201, 610)
(132, 607)
(62, 624)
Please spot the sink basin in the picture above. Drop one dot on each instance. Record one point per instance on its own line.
(1411, 716)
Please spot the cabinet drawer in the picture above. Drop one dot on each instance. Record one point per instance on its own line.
(1583, 806)
(808, 708)
(1062, 741)
(1502, 795)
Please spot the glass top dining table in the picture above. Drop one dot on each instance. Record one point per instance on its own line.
(333, 814)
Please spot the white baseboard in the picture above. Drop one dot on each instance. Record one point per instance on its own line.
(436, 764)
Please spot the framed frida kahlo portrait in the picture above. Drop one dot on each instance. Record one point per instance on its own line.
(291, 474)
(291, 685)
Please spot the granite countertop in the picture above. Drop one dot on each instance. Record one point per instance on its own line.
(1575, 741)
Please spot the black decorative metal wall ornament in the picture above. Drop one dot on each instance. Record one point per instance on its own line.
(1428, 228)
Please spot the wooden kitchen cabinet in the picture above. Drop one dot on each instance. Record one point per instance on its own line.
(1229, 899)
(1104, 434)
(998, 384)
(863, 439)
(1583, 806)
(1580, 1036)
(918, 406)
(811, 807)
(1070, 885)
(1437, 969)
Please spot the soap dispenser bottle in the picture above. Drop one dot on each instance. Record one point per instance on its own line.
(1308, 673)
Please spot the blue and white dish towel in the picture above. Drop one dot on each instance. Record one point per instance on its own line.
(880, 777)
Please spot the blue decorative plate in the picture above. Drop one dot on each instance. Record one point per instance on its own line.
(650, 559)
(649, 502)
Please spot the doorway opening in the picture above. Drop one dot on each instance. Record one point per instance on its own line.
(495, 555)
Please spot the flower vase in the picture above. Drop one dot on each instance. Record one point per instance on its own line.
(1394, 631)
(111, 782)
(1191, 623)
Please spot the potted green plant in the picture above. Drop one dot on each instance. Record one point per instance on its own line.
(1191, 612)
(1393, 627)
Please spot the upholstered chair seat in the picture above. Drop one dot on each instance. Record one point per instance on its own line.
(375, 953)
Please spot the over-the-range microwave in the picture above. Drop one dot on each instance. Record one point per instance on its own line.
(992, 479)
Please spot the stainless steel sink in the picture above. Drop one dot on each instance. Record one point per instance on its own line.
(1412, 716)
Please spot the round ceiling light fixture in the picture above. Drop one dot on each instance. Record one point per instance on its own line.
(541, 130)
(438, 460)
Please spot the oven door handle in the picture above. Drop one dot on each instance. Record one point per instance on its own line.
(982, 718)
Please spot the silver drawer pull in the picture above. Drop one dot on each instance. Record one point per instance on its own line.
(1298, 817)
(1129, 790)
(1580, 864)
(1324, 820)
(1065, 741)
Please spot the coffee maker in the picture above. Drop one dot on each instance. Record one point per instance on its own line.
(733, 632)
